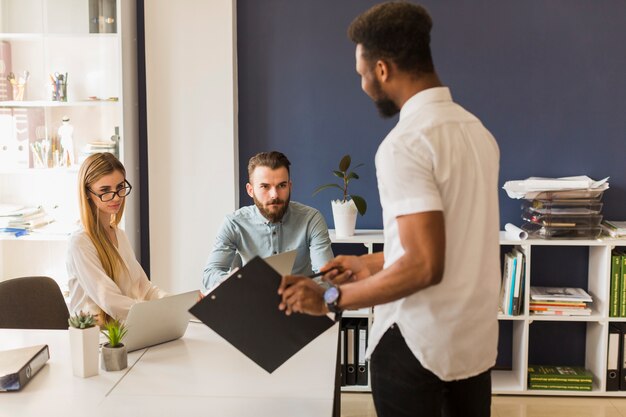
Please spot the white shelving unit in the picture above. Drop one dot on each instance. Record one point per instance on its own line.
(367, 237)
(515, 381)
(44, 37)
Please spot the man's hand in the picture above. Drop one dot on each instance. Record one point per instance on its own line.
(301, 295)
(345, 269)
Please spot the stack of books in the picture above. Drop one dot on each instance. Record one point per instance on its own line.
(559, 301)
(570, 378)
(613, 228)
(512, 286)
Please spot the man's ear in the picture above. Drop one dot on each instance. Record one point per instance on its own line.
(250, 190)
(382, 70)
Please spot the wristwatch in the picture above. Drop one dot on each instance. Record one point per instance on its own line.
(331, 297)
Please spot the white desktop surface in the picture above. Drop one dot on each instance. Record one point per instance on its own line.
(186, 377)
(55, 391)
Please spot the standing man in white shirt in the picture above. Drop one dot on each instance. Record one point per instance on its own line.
(435, 286)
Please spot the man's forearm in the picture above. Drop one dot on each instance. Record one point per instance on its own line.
(373, 261)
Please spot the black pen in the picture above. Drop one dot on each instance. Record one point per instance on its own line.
(319, 274)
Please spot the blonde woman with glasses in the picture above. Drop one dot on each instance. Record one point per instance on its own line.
(105, 278)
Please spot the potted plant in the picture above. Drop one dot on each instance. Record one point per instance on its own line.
(114, 355)
(346, 208)
(84, 340)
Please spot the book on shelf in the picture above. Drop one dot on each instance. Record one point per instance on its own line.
(559, 294)
(512, 285)
(560, 387)
(614, 285)
(574, 375)
(563, 312)
(614, 228)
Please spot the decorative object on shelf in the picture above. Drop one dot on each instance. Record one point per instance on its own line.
(84, 344)
(114, 355)
(66, 132)
(102, 16)
(59, 86)
(18, 85)
(345, 210)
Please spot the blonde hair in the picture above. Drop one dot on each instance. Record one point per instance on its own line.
(95, 167)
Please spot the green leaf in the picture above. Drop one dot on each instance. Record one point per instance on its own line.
(360, 203)
(353, 175)
(115, 331)
(339, 174)
(344, 164)
(323, 187)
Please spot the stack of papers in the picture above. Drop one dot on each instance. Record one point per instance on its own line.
(19, 220)
(559, 301)
(533, 187)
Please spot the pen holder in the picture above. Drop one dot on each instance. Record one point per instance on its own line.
(18, 91)
(59, 91)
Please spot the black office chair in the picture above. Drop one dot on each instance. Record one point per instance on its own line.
(32, 303)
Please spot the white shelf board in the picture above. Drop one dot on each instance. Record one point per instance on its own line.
(366, 236)
(41, 35)
(521, 317)
(46, 103)
(36, 237)
(356, 388)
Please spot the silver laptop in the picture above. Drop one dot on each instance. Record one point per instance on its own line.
(282, 262)
(158, 321)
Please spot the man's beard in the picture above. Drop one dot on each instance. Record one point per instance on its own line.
(272, 216)
(386, 107)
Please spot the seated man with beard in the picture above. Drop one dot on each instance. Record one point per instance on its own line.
(272, 225)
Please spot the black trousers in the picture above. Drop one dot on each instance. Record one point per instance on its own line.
(401, 386)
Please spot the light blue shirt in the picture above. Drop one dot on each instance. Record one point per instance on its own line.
(247, 233)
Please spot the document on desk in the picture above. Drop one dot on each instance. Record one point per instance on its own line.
(244, 310)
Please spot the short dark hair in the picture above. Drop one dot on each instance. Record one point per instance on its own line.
(397, 31)
(272, 160)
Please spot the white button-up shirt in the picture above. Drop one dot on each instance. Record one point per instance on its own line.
(439, 157)
(93, 291)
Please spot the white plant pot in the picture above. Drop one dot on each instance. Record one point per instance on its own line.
(84, 351)
(114, 359)
(344, 215)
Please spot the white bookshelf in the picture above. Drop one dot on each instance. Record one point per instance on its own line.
(44, 37)
(515, 380)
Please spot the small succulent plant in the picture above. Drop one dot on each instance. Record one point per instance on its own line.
(114, 330)
(82, 320)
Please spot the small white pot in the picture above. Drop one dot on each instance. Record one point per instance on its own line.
(114, 359)
(84, 351)
(344, 215)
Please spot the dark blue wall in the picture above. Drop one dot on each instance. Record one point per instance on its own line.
(548, 78)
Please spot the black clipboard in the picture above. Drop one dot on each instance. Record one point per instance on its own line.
(244, 310)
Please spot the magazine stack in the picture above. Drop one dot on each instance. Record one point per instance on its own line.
(559, 301)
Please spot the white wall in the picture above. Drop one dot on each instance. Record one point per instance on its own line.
(192, 144)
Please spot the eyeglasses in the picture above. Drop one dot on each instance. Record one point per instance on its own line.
(110, 195)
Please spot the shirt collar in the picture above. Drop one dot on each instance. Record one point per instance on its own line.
(424, 97)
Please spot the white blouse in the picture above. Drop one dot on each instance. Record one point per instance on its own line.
(93, 291)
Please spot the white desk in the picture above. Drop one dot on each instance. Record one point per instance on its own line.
(367, 237)
(198, 374)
